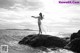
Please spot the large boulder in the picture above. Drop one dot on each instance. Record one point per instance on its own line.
(45, 41)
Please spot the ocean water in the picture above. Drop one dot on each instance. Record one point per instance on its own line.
(11, 38)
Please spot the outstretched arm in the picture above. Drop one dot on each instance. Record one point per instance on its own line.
(34, 17)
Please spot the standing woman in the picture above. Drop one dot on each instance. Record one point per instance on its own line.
(40, 17)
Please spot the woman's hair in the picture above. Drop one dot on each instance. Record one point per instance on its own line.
(41, 15)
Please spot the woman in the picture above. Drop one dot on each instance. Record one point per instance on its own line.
(40, 17)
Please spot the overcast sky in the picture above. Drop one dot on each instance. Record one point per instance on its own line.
(57, 17)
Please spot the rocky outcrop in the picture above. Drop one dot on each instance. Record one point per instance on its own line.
(43, 41)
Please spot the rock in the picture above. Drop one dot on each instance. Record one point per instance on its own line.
(74, 45)
(43, 41)
(75, 35)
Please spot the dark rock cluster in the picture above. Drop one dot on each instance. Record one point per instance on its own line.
(74, 44)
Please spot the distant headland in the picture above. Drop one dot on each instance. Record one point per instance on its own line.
(22, 29)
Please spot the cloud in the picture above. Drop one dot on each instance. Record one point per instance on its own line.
(6, 3)
(27, 4)
(16, 19)
(16, 24)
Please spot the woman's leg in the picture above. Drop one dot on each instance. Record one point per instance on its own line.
(39, 25)
(40, 30)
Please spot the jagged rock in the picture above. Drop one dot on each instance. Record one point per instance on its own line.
(75, 35)
(74, 45)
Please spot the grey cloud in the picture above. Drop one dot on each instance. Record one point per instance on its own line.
(34, 4)
(31, 4)
(6, 3)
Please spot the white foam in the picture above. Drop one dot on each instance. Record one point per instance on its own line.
(60, 51)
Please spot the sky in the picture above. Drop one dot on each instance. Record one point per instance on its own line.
(16, 14)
